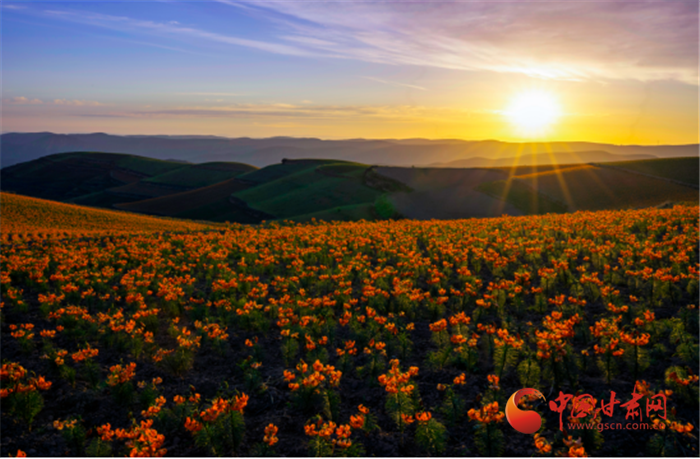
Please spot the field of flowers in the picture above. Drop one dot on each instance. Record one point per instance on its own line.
(393, 338)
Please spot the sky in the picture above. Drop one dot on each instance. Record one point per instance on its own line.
(622, 72)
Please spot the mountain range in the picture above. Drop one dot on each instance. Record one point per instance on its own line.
(21, 147)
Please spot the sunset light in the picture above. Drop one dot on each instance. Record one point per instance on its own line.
(533, 113)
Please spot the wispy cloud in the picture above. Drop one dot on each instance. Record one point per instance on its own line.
(173, 30)
(11, 6)
(66, 102)
(569, 40)
(22, 101)
(394, 83)
(76, 103)
(280, 111)
(213, 94)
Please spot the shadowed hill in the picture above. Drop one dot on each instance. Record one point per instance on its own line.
(590, 187)
(212, 203)
(302, 189)
(294, 188)
(70, 175)
(199, 175)
(682, 170)
(446, 193)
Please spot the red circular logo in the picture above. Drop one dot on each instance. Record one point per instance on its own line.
(524, 421)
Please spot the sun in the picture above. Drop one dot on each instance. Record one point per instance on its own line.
(532, 113)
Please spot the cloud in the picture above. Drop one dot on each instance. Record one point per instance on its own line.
(291, 111)
(76, 103)
(23, 101)
(13, 7)
(393, 83)
(230, 94)
(173, 30)
(571, 40)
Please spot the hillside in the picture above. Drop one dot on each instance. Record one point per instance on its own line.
(588, 187)
(70, 175)
(308, 186)
(211, 203)
(446, 193)
(186, 178)
(491, 192)
(108, 179)
(294, 189)
(25, 217)
(200, 175)
(324, 189)
(683, 170)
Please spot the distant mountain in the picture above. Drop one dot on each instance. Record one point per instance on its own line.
(21, 147)
(544, 159)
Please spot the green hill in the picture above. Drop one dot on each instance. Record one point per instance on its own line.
(685, 170)
(309, 187)
(588, 187)
(298, 190)
(213, 203)
(65, 176)
(200, 175)
(304, 189)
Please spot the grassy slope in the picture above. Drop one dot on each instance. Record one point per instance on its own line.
(200, 175)
(23, 215)
(66, 176)
(207, 203)
(686, 170)
(277, 171)
(446, 193)
(310, 190)
(523, 197)
(344, 213)
(594, 188)
(176, 181)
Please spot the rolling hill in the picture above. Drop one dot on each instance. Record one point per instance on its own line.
(66, 176)
(326, 189)
(107, 179)
(681, 170)
(595, 187)
(211, 203)
(292, 189)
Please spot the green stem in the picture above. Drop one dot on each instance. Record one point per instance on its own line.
(503, 361)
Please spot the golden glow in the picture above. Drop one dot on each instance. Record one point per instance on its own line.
(532, 113)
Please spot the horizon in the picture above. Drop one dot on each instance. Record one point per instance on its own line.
(516, 72)
(340, 139)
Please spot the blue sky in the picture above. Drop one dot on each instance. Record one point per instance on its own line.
(623, 72)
